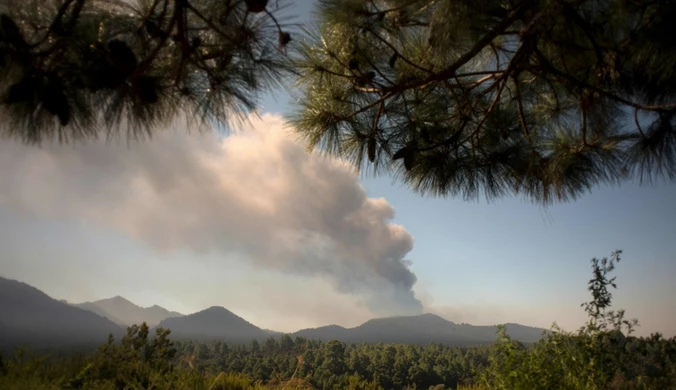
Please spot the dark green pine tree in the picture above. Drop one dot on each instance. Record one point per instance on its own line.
(72, 69)
(544, 98)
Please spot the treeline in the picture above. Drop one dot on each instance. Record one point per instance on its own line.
(590, 359)
(139, 361)
(335, 364)
(605, 359)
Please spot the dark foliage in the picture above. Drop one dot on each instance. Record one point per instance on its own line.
(73, 69)
(535, 97)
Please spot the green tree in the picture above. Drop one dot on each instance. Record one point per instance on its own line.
(70, 69)
(286, 343)
(601, 355)
(544, 98)
(161, 351)
(254, 347)
(270, 345)
(601, 318)
(334, 358)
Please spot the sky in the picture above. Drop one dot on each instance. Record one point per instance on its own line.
(290, 240)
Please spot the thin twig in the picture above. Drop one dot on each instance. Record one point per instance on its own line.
(638, 125)
(493, 104)
(55, 22)
(369, 106)
(145, 64)
(584, 125)
(377, 118)
(396, 52)
(208, 22)
(522, 115)
(513, 16)
(550, 67)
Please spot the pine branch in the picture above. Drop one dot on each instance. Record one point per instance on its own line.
(98, 64)
(567, 76)
(450, 71)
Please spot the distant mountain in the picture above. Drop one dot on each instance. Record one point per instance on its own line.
(215, 323)
(29, 317)
(125, 313)
(325, 333)
(421, 329)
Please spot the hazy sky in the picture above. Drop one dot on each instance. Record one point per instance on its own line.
(290, 240)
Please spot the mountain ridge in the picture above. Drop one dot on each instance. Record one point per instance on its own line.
(419, 329)
(218, 323)
(32, 318)
(126, 313)
(214, 323)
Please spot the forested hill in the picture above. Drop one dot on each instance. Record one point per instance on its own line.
(422, 329)
(32, 318)
(220, 324)
(214, 323)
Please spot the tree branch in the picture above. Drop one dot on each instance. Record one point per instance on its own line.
(551, 68)
(55, 22)
(522, 115)
(450, 71)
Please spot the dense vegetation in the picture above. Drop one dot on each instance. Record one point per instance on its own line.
(601, 355)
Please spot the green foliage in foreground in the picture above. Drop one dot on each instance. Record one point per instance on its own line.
(601, 355)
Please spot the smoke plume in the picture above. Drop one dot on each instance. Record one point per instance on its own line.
(257, 193)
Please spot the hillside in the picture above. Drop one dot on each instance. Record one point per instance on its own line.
(215, 323)
(421, 329)
(29, 316)
(32, 318)
(324, 333)
(126, 313)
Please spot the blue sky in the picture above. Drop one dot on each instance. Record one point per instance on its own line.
(476, 262)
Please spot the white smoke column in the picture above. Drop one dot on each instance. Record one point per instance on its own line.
(256, 192)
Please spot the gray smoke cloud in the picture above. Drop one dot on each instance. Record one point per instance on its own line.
(257, 193)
